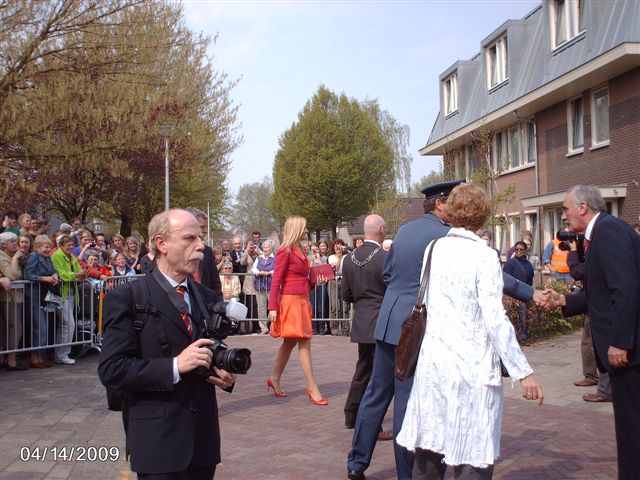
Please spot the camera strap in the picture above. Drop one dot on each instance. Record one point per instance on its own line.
(204, 311)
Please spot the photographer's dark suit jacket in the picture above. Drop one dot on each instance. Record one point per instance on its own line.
(364, 287)
(169, 426)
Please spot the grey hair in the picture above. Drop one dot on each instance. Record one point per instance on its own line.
(269, 241)
(159, 225)
(197, 213)
(7, 236)
(589, 195)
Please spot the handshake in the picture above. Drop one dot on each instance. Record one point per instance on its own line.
(548, 299)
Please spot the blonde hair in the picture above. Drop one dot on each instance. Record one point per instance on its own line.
(126, 245)
(293, 229)
(41, 240)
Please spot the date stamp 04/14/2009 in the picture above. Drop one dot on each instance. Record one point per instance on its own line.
(74, 453)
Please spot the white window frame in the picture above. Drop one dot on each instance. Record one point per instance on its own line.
(567, 21)
(450, 93)
(524, 156)
(595, 122)
(572, 123)
(499, 64)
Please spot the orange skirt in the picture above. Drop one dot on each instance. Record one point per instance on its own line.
(294, 317)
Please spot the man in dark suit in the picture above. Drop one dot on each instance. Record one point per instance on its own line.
(610, 297)
(362, 285)
(170, 412)
(402, 276)
(207, 273)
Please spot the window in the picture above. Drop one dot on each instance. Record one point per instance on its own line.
(567, 20)
(600, 117)
(469, 160)
(499, 150)
(450, 85)
(458, 164)
(497, 71)
(575, 125)
(515, 146)
(531, 142)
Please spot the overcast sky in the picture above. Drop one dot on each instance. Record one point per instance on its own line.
(393, 51)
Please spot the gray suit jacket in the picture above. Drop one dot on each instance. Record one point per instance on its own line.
(364, 287)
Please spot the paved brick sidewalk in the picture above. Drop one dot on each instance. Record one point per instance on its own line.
(265, 437)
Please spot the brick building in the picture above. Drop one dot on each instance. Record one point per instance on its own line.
(550, 101)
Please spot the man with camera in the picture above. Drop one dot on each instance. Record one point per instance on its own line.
(169, 411)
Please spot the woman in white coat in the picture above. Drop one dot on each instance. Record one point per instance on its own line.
(454, 411)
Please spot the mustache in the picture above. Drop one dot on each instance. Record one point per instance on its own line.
(196, 256)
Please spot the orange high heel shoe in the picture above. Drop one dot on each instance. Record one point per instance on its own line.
(322, 402)
(277, 393)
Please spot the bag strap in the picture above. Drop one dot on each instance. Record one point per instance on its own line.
(424, 284)
(143, 311)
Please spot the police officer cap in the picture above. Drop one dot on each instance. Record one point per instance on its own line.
(442, 189)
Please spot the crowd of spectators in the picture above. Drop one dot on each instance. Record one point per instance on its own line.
(41, 312)
(41, 316)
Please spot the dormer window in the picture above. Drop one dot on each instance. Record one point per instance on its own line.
(497, 69)
(450, 93)
(567, 20)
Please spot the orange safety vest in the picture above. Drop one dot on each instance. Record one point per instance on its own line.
(559, 258)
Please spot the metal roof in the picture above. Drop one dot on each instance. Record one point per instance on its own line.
(538, 74)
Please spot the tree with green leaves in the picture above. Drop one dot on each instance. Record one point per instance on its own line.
(251, 210)
(432, 177)
(331, 163)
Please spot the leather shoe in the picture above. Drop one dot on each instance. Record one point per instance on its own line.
(595, 397)
(355, 475)
(586, 382)
(384, 436)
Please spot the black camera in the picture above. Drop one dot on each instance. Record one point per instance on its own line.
(218, 327)
(567, 237)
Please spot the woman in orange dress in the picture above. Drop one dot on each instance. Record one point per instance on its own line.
(290, 309)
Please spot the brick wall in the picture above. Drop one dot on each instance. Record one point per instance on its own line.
(618, 163)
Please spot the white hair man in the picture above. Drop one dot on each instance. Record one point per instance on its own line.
(157, 371)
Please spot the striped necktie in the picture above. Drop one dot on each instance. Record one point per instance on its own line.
(184, 315)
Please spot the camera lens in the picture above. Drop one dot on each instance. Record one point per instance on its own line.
(233, 360)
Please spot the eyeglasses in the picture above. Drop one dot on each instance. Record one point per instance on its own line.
(519, 249)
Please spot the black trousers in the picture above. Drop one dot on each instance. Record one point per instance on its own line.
(359, 382)
(428, 466)
(193, 472)
(625, 390)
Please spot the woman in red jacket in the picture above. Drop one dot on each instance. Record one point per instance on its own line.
(290, 310)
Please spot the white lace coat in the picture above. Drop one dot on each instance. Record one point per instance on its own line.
(455, 406)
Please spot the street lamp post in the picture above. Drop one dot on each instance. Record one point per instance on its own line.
(166, 130)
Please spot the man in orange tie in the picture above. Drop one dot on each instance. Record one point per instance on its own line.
(169, 411)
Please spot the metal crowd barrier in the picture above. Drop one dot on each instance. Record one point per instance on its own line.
(30, 321)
